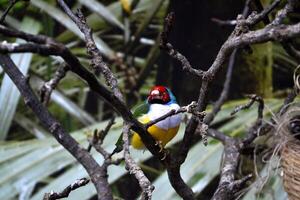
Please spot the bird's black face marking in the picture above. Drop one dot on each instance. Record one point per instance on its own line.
(294, 127)
(158, 101)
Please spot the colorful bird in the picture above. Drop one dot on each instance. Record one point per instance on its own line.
(159, 102)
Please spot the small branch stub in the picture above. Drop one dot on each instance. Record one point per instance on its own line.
(48, 87)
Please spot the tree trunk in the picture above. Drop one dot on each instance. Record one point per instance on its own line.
(254, 73)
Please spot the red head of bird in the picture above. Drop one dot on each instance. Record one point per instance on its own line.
(159, 94)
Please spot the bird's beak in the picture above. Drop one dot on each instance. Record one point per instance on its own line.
(154, 93)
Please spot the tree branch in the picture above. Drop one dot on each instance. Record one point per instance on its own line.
(65, 193)
(48, 87)
(97, 61)
(29, 47)
(263, 14)
(253, 98)
(95, 172)
(98, 137)
(51, 46)
(133, 168)
(189, 108)
(233, 147)
(224, 94)
(9, 7)
(237, 39)
(282, 14)
(165, 45)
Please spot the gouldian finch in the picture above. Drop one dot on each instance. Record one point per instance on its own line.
(159, 102)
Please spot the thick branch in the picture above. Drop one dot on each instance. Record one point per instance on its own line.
(228, 185)
(218, 135)
(233, 147)
(178, 183)
(29, 47)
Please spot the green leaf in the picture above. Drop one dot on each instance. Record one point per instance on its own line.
(66, 104)
(102, 11)
(267, 186)
(62, 18)
(30, 126)
(156, 4)
(41, 159)
(9, 94)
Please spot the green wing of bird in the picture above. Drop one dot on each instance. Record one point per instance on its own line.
(138, 111)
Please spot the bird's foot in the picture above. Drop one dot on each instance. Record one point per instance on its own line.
(159, 144)
(162, 150)
(166, 152)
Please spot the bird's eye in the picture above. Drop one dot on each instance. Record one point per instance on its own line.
(294, 127)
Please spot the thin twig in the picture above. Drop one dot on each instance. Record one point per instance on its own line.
(189, 108)
(133, 168)
(288, 100)
(48, 87)
(107, 128)
(9, 7)
(224, 94)
(282, 14)
(99, 136)
(65, 193)
(291, 50)
(165, 45)
(263, 14)
(253, 98)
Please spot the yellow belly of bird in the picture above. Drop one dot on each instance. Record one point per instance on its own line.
(161, 135)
